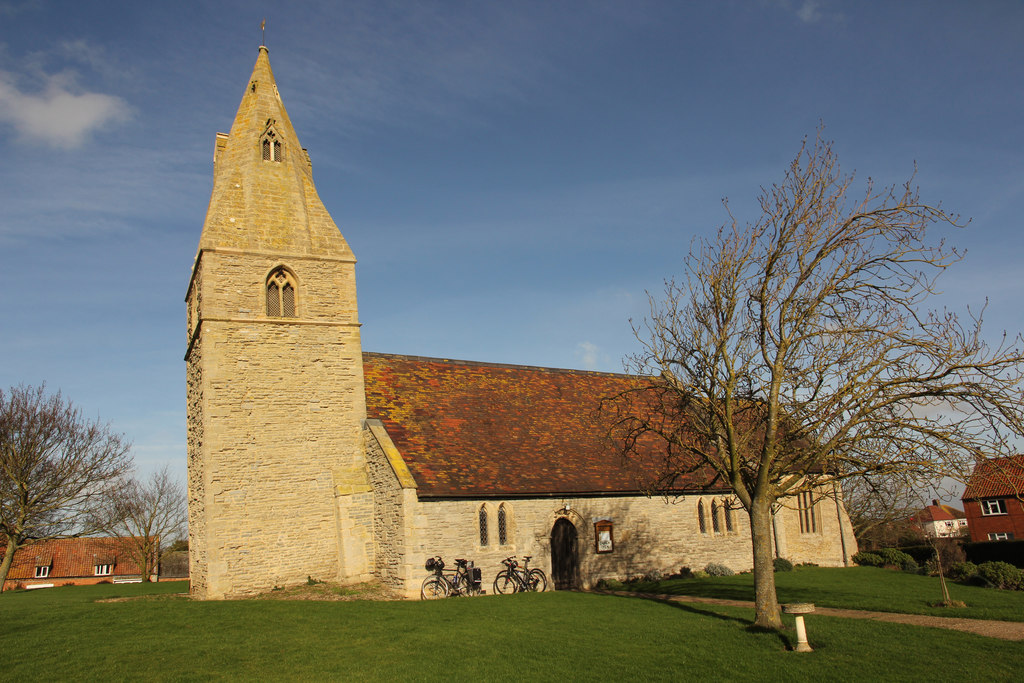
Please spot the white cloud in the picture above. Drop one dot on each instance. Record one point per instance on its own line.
(809, 12)
(58, 115)
(588, 354)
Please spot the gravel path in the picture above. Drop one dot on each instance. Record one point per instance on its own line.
(1006, 630)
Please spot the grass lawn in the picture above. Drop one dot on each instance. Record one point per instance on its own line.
(868, 588)
(62, 634)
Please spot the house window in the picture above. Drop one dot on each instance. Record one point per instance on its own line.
(701, 522)
(808, 520)
(715, 526)
(993, 506)
(1001, 536)
(502, 525)
(102, 569)
(42, 572)
(482, 519)
(281, 294)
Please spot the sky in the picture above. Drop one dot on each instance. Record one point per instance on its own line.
(514, 177)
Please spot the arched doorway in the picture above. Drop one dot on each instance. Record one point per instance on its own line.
(565, 558)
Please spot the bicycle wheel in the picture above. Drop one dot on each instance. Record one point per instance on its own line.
(503, 583)
(538, 580)
(434, 588)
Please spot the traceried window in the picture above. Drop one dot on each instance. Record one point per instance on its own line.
(993, 506)
(727, 507)
(701, 522)
(281, 294)
(715, 525)
(502, 525)
(103, 569)
(805, 508)
(271, 147)
(482, 520)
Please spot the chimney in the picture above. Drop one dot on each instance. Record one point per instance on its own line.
(935, 502)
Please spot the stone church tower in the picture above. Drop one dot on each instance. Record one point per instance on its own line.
(277, 481)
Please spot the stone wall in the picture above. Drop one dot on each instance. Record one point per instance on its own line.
(278, 486)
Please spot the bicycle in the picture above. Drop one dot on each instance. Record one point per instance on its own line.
(465, 579)
(511, 579)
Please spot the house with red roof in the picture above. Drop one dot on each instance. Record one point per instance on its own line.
(993, 499)
(67, 561)
(941, 521)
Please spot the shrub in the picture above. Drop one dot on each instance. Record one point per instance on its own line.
(715, 569)
(894, 557)
(610, 585)
(1001, 575)
(653, 576)
(783, 565)
(866, 559)
(962, 571)
(910, 565)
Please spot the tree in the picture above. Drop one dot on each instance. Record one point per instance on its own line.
(55, 468)
(882, 507)
(798, 351)
(143, 515)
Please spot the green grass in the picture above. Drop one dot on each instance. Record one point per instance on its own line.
(61, 634)
(867, 588)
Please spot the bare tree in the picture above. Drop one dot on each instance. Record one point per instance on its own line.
(882, 507)
(55, 468)
(798, 350)
(143, 516)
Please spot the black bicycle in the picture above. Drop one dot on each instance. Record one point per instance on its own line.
(512, 579)
(465, 579)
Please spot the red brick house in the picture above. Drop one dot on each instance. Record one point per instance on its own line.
(993, 500)
(66, 561)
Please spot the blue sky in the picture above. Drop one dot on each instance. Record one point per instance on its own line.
(513, 176)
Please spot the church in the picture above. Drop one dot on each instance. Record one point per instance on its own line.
(310, 458)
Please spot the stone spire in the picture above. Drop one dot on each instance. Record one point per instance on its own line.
(263, 196)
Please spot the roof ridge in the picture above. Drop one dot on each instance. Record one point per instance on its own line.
(488, 364)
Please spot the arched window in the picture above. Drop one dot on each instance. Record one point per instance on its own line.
(728, 516)
(502, 525)
(715, 526)
(271, 147)
(281, 294)
(482, 519)
(700, 517)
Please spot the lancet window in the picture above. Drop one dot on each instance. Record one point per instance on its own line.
(281, 294)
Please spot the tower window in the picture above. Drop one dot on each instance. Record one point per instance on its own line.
(271, 147)
(281, 294)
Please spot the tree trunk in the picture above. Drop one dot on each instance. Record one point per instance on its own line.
(5, 566)
(765, 601)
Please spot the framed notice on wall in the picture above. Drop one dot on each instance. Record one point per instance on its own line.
(603, 537)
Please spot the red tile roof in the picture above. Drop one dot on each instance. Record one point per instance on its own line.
(72, 557)
(939, 513)
(469, 429)
(996, 477)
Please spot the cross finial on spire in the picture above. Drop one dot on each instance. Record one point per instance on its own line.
(263, 30)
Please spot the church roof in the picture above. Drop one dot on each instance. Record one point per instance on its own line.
(996, 477)
(263, 198)
(468, 429)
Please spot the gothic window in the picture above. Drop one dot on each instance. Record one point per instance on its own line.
(482, 517)
(715, 525)
(727, 507)
(700, 517)
(502, 525)
(805, 508)
(270, 146)
(281, 294)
